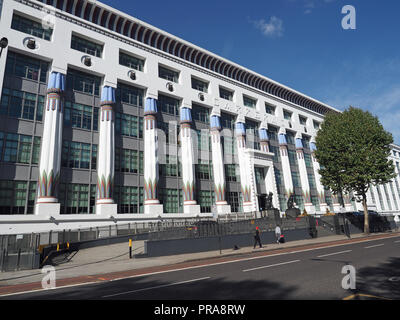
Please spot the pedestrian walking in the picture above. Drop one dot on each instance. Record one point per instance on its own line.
(277, 233)
(257, 238)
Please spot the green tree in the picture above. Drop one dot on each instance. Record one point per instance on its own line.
(353, 150)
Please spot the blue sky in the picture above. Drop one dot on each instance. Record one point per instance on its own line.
(299, 43)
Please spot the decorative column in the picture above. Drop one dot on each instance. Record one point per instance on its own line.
(305, 185)
(151, 203)
(287, 174)
(320, 188)
(50, 155)
(270, 182)
(188, 170)
(263, 134)
(218, 166)
(246, 170)
(106, 152)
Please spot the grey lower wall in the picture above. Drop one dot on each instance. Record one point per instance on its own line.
(179, 246)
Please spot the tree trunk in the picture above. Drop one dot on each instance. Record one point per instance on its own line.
(366, 220)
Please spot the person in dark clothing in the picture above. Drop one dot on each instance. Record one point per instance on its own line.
(257, 238)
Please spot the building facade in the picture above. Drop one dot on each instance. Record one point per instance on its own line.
(103, 115)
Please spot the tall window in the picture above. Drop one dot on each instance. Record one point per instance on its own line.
(131, 61)
(168, 74)
(296, 179)
(200, 113)
(206, 200)
(252, 138)
(31, 27)
(130, 95)
(26, 67)
(128, 125)
(227, 121)
(272, 133)
(169, 105)
(170, 167)
(13, 196)
(80, 116)
(171, 199)
(77, 198)
(233, 198)
(292, 157)
(20, 104)
(126, 160)
(83, 82)
(302, 120)
(17, 148)
(316, 124)
(129, 199)
(204, 170)
(86, 46)
(78, 155)
(230, 172)
(200, 85)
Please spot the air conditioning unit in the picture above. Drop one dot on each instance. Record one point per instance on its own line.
(201, 97)
(132, 75)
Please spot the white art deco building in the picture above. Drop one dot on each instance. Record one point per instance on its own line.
(103, 115)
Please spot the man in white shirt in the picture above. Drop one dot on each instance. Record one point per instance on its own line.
(277, 233)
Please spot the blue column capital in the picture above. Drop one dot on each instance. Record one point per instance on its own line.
(282, 139)
(240, 129)
(56, 82)
(107, 95)
(150, 106)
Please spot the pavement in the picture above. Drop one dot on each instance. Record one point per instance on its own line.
(110, 263)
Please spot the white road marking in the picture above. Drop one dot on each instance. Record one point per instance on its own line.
(376, 245)
(272, 265)
(331, 254)
(157, 287)
(397, 241)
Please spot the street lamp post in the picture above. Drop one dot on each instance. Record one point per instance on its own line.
(3, 44)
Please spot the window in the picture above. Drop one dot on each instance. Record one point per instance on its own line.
(129, 199)
(80, 116)
(78, 155)
(225, 94)
(290, 137)
(278, 178)
(296, 179)
(16, 148)
(233, 198)
(306, 142)
(393, 195)
(127, 125)
(203, 139)
(26, 67)
(200, 113)
(200, 85)
(316, 124)
(170, 130)
(287, 115)
(307, 160)
(259, 175)
(170, 168)
(169, 105)
(130, 95)
(206, 200)
(315, 202)
(77, 198)
(86, 46)
(228, 145)
(249, 102)
(20, 104)
(292, 157)
(168, 74)
(13, 196)
(204, 170)
(270, 109)
(311, 180)
(83, 82)
(131, 61)
(31, 27)
(272, 133)
(276, 152)
(227, 121)
(302, 120)
(230, 172)
(380, 198)
(171, 200)
(252, 137)
(126, 160)
(387, 197)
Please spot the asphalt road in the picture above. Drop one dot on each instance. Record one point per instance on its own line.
(310, 274)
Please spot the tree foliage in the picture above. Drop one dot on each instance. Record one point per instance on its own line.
(353, 150)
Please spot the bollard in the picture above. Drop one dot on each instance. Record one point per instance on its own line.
(68, 245)
(130, 248)
(58, 247)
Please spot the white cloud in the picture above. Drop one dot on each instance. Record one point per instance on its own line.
(272, 28)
